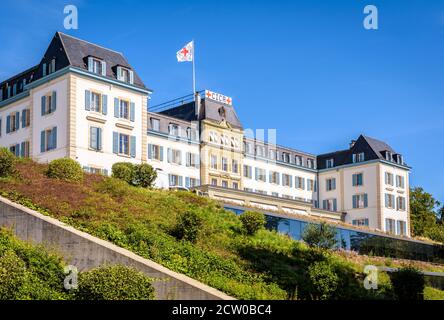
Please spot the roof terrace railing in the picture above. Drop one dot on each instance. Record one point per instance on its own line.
(174, 103)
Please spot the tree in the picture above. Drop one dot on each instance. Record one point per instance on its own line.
(320, 235)
(422, 211)
(252, 221)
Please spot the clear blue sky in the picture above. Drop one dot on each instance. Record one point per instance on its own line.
(307, 68)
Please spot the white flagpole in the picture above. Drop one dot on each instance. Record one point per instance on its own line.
(194, 71)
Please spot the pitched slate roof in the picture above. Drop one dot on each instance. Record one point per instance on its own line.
(372, 149)
(77, 50)
(209, 110)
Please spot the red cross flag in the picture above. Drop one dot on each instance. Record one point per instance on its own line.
(186, 53)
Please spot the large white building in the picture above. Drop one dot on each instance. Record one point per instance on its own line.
(87, 103)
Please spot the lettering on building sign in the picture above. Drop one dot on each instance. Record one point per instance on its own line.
(218, 97)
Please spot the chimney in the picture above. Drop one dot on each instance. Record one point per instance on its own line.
(197, 103)
(352, 143)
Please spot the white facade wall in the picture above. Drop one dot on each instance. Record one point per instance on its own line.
(369, 187)
(279, 188)
(395, 214)
(16, 137)
(165, 168)
(58, 118)
(105, 158)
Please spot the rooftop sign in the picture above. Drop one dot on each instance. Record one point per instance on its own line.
(218, 97)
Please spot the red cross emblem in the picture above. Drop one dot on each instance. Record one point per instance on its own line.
(185, 52)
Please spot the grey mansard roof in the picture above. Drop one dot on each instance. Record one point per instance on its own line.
(73, 52)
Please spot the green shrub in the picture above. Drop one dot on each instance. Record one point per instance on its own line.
(323, 279)
(65, 169)
(124, 171)
(12, 275)
(320, 235)
(408, 283)
(188, 226)
(114, 283)
(144, 176)
(252, 221)
(7, 162)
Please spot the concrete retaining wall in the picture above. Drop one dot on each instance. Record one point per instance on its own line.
(86, 252)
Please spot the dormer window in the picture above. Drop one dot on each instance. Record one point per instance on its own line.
(173, 130)
(358, 157)
(97, 66)
(329, 163)
(125, 75)
(388, 156)
(399, 159)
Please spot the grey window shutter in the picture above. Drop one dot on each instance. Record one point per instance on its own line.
(169, 155)
(365, 200)
(303, 183)
(188, 162)
(181, 181)
(93, 138)
(44, 69)
(53, 65)
(99, 139)
(23, 118)
(116, 107)
(22, 149)
(104, 68)
(324, 204)
(335, 205)
(90, 64)
(133, 146)
(132, 111)
(161, 153)
(131, 77)
(187, 182)
(54, 101)
(257, 173)
(115, 142)
(8, 124)
(54, 138)
(17, 120)
(42, 141)
(43, 105)
(354, 180)
(104, 104)
(355, 202)
(87, 100)
(334, 183)
(150, 151)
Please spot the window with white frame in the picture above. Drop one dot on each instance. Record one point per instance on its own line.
(390, 226)
(155, 152)
(357, 179)
(389, 201)
(235, 185)
(299, 183)
(286, 157)
(235, 166)
(124, 144)
(400, 182)
(248, 172)
(192, 160)
(224, 164)
(389, 178)
(360, 222)
(261, 175)
(95, 138)
(310, 185)
(213, 136)
(311, 163)
(224, 183)
(214, 182)
(173, 130)
(48, 139)
(274, 177)
(330, 204)
(96, 102)
(124, 109)
(286, 180)
(358, 157)
(213, 162)
(329, 163)
(175, 156)
(401, 204)
(360, 201)
(298, 160)
(401, 228)
(155, 124)
(330, 184)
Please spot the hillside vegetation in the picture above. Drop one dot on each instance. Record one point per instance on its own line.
(264, 265)
(30, 272)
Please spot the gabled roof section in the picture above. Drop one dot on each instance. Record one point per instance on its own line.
(372, 148)
(78, 50)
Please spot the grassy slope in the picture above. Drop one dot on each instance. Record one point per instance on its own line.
(265, 266)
